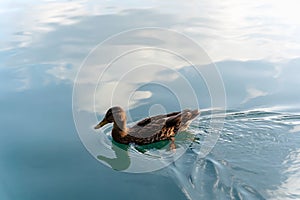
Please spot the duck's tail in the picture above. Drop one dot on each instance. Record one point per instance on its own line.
(195, 113)
(183, 119)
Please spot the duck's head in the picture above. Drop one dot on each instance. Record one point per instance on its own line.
(113, 115)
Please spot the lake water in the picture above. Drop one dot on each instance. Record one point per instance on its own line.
(52, 94)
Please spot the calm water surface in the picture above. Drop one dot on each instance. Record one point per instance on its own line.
(256, 48)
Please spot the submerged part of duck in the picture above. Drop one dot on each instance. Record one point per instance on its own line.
(149, 130)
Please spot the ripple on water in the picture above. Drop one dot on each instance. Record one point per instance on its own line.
(256, 157)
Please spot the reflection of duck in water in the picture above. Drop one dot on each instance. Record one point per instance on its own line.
(122, 160)
(149, 130)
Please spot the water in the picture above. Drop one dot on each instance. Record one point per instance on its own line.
(250, 160)
(255, 47)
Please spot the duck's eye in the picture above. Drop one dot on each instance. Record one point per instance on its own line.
(108, 113)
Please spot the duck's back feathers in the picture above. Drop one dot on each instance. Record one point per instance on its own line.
(161, 127)
(148, 127)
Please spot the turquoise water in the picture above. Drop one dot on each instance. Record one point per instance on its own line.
(255, 47)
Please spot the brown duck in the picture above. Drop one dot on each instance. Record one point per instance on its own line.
(149, 130)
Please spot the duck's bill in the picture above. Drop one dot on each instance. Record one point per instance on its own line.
(102, 123)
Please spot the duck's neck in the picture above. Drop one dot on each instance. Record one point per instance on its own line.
(119, 130)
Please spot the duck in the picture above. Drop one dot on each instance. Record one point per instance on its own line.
(149, 130)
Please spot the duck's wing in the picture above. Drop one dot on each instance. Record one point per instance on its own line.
(148, 127)
(155, 119)
(162, 126)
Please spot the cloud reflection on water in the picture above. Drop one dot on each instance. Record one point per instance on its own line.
(252, 30)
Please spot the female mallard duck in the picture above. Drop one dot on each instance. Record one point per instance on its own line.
(149, 130)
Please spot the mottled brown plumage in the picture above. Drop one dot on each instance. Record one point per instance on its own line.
(149, 130)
